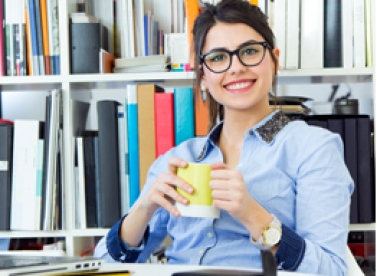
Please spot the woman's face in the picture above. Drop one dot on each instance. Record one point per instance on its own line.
(240, 87)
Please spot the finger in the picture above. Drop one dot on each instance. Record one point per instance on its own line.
(219, 184)
(218, 166)
(175, 163)
(175, 181)
(171, 193)
(221, 195)
(225, 174)
(166, 204)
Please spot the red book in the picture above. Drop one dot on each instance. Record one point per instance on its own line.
(164, 120)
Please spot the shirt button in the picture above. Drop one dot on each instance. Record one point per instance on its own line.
(201, 251)
(251, 132)
(209, 235)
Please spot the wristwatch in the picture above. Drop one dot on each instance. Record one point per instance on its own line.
(271, 235)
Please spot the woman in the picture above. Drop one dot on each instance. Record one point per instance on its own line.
(281, 185)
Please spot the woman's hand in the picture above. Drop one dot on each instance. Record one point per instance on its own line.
(163, 191)
(229, 193)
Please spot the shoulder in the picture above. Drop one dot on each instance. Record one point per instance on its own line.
(311, 138)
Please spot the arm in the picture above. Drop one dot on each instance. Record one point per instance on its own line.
(134, 237)
(324, 187)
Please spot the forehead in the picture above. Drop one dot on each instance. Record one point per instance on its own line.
(229, 35)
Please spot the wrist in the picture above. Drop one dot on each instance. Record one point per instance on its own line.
(270, 236)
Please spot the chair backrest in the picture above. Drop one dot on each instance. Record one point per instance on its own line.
(353, 267)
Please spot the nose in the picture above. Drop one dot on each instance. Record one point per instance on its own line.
(236, 65)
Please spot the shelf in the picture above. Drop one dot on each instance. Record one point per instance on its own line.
(116, 77)
(326, 72)
(21, 80)
(58, 233)
(95, 232)
(163, 76)
(363, 227)
(33, 234)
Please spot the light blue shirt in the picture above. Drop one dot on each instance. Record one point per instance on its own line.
(293, 170)
(4, 244)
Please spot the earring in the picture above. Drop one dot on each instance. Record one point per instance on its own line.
(204, 92)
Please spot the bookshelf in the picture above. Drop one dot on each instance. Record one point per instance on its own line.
(78, 241)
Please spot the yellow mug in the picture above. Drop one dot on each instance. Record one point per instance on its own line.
(200, 201)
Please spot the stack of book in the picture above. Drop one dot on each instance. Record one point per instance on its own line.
(154, 63)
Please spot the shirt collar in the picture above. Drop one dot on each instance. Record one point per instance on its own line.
(266, 130)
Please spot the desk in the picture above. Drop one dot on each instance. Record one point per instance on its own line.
(167, 270)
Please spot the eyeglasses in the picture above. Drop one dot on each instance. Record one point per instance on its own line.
(220, 60)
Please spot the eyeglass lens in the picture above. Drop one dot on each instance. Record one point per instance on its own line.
(249, 55)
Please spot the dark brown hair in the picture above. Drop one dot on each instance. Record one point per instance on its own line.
(227, 11)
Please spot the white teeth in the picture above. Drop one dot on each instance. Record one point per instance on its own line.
(239, 85)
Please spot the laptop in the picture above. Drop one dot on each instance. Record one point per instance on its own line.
(12, 265)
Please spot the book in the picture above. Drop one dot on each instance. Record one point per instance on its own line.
(53, 38)
(133, 142)
(164, 122)
(38, 25)
(2, 43)
(123, 158)
(368, 33)
(312, 39)
(364, 171)
(192, 12)
(6, 154)
(53, 124)
(86, 40)
(33, 37)
(347, 33)
(150, 60)
(350, 157)
(82, 17)
(359, 47)
(201, 114)
(24, 175)
(80, 183)
(179, 53)
(280, 29)
(292, 34)
(332, 53)
(146, 127)
(183, 114)
(45, 38)
(90, 178)
(106, 62)
(139, 28)
(108, 163)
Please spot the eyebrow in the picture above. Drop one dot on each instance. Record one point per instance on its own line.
(239, 46)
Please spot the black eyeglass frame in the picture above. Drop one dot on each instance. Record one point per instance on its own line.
(237, 53)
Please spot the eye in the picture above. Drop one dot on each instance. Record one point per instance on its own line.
(250, 50)
(216, 57)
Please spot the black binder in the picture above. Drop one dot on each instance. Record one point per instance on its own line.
(108, 190)
(6, 153)
(86, 41)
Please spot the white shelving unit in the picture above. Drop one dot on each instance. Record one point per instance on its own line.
(78, 241)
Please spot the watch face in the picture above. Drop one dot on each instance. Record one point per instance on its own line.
(272, 236)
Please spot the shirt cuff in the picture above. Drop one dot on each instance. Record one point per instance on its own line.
(118, 249)
(291, 250)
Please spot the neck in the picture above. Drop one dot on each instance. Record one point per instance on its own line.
(237, 123)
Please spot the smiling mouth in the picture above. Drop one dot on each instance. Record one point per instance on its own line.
(240, 85)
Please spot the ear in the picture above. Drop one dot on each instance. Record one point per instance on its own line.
(276, 53)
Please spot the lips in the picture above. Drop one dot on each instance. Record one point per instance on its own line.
(239, 86)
